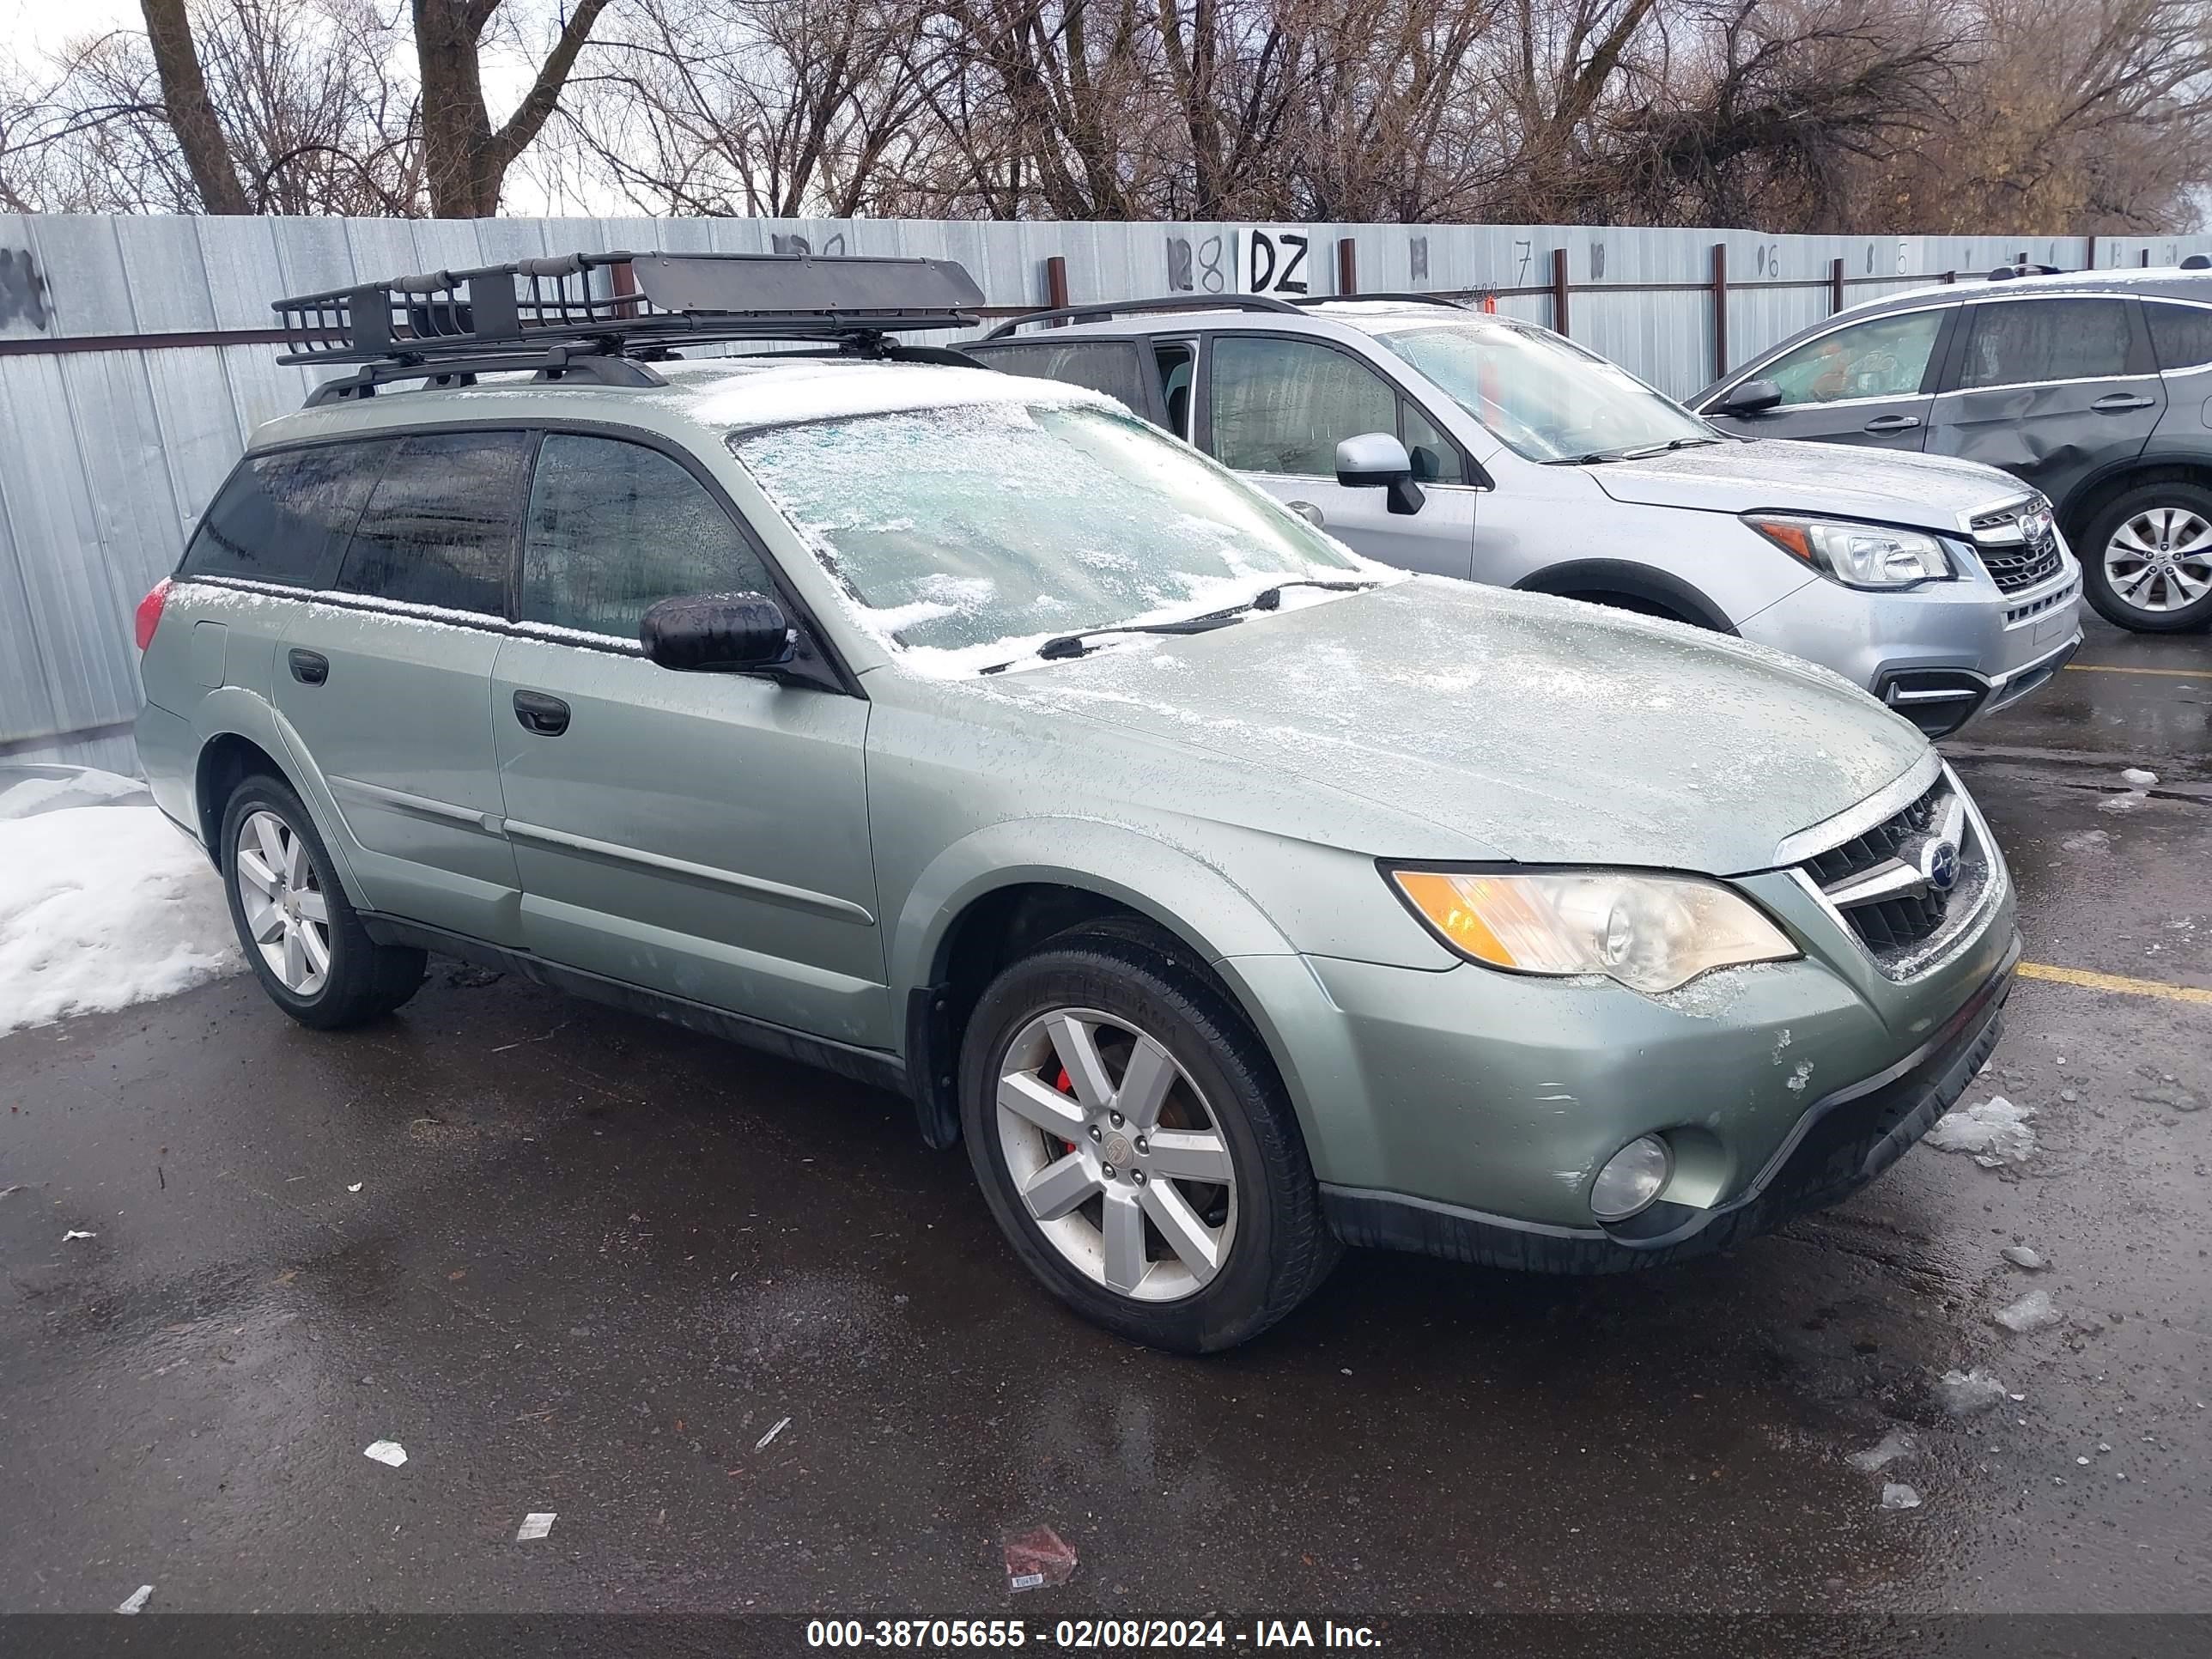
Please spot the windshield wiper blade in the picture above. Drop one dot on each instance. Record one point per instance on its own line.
(1270, 598)
(1064, 646)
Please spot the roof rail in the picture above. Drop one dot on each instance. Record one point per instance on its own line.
(553, 314)
(1407, 297)
(2006, 273)
(1140, 307)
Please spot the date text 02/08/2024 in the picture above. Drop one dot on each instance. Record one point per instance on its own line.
(1086, 1634)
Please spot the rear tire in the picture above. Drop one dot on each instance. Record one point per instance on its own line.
(1189, 1222)
(301, 935)
(2168, 525)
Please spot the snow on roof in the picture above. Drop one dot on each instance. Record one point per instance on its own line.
(762, 392)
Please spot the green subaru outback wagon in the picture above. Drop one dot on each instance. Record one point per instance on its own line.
(1233, 898)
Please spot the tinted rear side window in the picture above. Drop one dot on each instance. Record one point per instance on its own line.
(2180, 335)
(2027, 340)
(617, 527)
(284, 515)
(440, 528)
(1115, 368)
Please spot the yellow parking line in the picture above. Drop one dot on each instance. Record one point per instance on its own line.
(2115, 668)
(2134, 988)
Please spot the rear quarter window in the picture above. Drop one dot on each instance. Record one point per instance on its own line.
(1115, 368)
(2181, 336)
(283, 515)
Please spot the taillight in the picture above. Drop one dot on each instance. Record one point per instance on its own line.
(150, 612)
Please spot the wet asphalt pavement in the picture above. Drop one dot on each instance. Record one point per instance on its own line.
(592, 1261)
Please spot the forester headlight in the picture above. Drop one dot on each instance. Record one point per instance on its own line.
(1857, 555)
(1650, 932)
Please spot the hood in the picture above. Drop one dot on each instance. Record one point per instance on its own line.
(1928, 492)
(1438, 718)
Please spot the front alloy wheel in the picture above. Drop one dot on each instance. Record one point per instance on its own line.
(1117, 1154)
(1136, 1145)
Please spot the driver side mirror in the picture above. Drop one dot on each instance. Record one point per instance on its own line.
(717, 633)
(1752, 397)
(1376, 460)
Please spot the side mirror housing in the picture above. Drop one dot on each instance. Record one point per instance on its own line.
(1752, 397)
(717, 633)
(1376, 460)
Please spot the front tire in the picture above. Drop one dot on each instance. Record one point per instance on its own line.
(1135, 1146)
(301, 936)
(2147, 558)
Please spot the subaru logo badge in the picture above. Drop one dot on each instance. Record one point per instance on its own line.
(1939, 863)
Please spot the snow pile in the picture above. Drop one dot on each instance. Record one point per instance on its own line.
(100, 906)
(1893, 1446)
(1993, 1134)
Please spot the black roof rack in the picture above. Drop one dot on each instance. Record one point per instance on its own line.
(592, 315)
(1140, 307)
(1405, 296)
(2006, 273)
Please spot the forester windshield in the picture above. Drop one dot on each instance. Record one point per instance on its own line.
(970, 535)
(1543, 398)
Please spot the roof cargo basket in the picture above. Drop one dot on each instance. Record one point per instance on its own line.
(593, 314)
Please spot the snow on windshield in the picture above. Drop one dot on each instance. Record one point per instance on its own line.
(1547, 400)
(967, 536)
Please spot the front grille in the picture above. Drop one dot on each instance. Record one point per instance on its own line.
(2018, 545)
(1875, 881)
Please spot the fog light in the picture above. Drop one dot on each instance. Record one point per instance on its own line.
(1631, 1178)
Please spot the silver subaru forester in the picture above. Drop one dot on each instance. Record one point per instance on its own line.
(1508, 453)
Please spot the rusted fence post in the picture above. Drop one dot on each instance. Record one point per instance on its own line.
(1056, 282)
(1720, 310)
(1347, 265)
(1559, 290)
(1835, 285)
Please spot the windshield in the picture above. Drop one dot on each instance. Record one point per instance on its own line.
(970, 535)
(1543, 398)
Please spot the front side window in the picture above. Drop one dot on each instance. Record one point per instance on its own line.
(1283, 405)
(1882, 357)
(964, 535)
(1542, 396)
(440, 529)
(2018, 342)
(284, 515)
(614, 528)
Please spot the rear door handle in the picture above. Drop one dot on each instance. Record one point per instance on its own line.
(546, 716)
(2119, 403)
(309, 667)
(1891, 423)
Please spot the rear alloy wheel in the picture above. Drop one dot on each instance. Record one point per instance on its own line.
(301, 936)
(1136, 1146)
(2147, 559)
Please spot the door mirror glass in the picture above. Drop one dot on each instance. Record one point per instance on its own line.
(1752, 397)
(717, 633)
(1376, 460)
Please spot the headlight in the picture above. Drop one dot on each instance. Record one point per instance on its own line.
(1857, 555)
(1650, 932)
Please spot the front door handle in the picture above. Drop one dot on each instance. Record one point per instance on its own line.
(308, 667)
(1306, 510)
(1891, 423)
(547, 716)
(2119, 403)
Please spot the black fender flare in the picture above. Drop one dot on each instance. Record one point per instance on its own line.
(1638, 581)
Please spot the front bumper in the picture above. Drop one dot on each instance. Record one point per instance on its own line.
(1943, 655)
(1467, 1112)
(1842, 1142)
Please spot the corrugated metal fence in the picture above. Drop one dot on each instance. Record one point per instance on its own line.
(135, 357)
